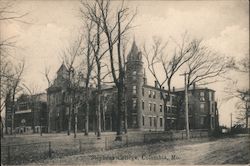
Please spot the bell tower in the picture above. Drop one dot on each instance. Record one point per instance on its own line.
(134, 83)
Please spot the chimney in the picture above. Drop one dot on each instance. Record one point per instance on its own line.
(194, 85)
(156, 84)
(144, 77)
(145, 81)
(173, 89)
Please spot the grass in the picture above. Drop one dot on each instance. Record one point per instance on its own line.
(24, 148)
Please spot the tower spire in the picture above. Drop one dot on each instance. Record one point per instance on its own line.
(134, 53)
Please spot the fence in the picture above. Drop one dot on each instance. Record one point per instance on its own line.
(35, 152)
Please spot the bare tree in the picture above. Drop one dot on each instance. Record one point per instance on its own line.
(11, 77)
(46, 74)
(15, 88)
(170, 63)
(234, 91)
(205, 66)
(5, 87)
(7, 14)
(69, 59)
(89, 60)
(32, 90)
(114, 26)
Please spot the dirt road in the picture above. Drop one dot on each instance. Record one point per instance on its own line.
(222, 151)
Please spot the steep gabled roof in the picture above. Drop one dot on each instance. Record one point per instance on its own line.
(134, 53)
(62, 68)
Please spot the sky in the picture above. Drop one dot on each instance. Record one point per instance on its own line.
(53, 25)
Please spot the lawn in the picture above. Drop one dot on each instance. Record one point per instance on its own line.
(196, 151)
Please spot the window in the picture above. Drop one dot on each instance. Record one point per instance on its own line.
(134, 75)
(210, 96)
(154, 94)
(167, 97)
(160, 122)
(202, 96)
(154, 107)
(142, 91)
(150, 106)
(134, 103)
(23, 106)
(202, 120)
(134, 89)
(150, 121)
(142, 105)
(160, 107)
(143, 120)
(155, 122)
(212, 121)
(161, 95)
(134, 121)
(168, 109)
(149, 93)
(202, 106)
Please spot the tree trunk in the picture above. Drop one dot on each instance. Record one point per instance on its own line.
(99, 100)
(103, 115)
(13, 112)
(75, 131)
(69, 117)
(98, 116)
(1, 127)
(125, 113)
(119, 114)
(170, 103)
(87, 117)
(48, 109)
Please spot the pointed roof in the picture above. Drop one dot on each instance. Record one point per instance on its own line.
(134, 53)
(62, 68)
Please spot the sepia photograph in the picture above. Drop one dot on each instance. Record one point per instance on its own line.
(118, 82)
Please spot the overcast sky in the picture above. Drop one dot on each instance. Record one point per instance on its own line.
(53, 25)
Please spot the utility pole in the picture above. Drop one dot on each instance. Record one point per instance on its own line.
(186, 106)
(231, 121)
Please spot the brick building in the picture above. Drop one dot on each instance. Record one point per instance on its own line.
(144, 104)
(59, 95)
(203, 112)
(30, 114)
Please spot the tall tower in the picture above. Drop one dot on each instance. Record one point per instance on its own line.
(134, 83)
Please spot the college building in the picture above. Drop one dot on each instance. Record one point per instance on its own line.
(145, 107)
(30, 114)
